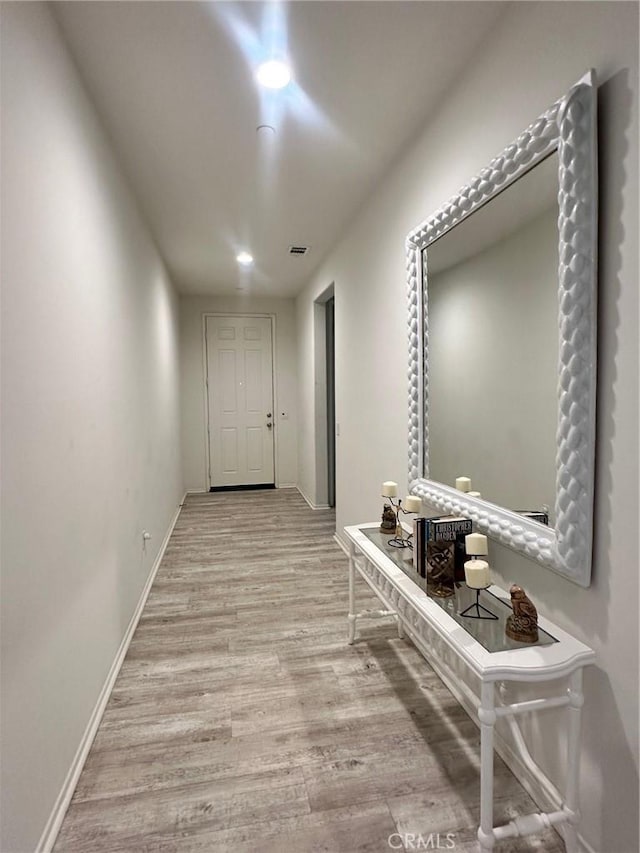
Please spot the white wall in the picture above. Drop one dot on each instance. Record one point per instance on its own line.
(536, 53)
(90, 417)
(192, 309)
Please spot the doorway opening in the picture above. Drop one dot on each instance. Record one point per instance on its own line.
(325, 406)
(331, 401)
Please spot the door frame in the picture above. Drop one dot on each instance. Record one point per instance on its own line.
(330, 356)
(320, 396)
(205, 375)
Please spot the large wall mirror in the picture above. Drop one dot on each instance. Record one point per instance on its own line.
(502, 342)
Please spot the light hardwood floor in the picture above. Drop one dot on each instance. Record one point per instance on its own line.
(242, 721)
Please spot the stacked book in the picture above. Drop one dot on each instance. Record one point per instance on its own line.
(438, 548)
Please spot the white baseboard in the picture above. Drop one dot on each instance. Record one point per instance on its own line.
(52, 827)
(311, 504)
(585, 847)
(340, 543)
(286, 486)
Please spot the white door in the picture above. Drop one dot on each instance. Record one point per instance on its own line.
(240, 401)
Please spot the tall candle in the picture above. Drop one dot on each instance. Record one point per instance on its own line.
(389, 489)
(476, 544)
(412, 503)
(476, 574)
(463, 484)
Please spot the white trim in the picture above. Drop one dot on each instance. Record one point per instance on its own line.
(584, 844)
(321, 433)
(312, 505)
(53, 824)
(340, 544)
(321, 438)
(205, 390)
(286, 486)
(275, 405)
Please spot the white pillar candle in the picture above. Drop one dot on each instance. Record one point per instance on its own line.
(463, 484)
(412, 503)
(474, 494)
(476, 544)
(476, 573)
(389, 489)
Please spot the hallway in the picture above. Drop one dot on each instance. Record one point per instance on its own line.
(242, 721)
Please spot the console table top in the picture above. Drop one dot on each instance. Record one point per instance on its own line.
(528, 663)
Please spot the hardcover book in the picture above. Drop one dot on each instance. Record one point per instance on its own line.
(419, 546)
(459, 557)
(448, 527)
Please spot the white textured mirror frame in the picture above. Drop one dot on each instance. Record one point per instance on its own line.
(569, 126)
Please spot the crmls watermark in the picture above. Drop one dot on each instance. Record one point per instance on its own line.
(414, 841)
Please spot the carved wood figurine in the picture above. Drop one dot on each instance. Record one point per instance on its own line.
(388, 520)
(523, 624)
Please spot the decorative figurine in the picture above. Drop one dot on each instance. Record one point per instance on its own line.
(523, 624)
(388, 520)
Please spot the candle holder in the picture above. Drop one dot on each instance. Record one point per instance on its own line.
(389, 492)
(399, 540)
(476, 572)
(476, 610)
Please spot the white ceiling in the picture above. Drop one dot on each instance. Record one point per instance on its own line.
(173, 83)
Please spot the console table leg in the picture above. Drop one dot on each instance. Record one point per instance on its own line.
(401, 634)
(576, 700)
(352, 598)
(487, 716)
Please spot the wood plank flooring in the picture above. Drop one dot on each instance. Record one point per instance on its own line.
(242, 721)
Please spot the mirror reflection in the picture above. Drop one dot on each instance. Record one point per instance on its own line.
(493, 346)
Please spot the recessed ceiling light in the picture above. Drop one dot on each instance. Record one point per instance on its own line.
(245, 259)
(266, 131)
(273, 74)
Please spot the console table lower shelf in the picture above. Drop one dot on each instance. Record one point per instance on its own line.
(439, 634)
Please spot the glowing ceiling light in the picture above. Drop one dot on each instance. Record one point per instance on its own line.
(273, 74)
(245, 259)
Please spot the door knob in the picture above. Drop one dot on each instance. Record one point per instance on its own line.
(268, 414)
(269, 424)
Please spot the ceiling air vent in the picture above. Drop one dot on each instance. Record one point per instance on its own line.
(298, 250)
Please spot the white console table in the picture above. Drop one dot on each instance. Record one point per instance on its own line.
(436, 629)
